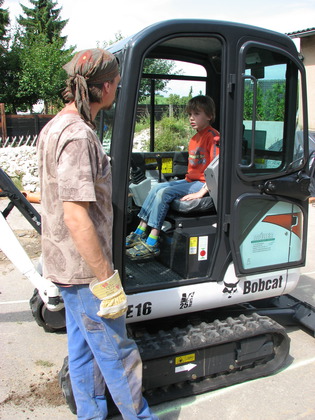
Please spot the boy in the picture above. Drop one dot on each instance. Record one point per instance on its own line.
(202, 149)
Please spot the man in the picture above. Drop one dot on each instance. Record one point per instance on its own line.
(77, 216)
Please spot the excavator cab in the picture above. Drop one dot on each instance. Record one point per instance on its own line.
(253, 231)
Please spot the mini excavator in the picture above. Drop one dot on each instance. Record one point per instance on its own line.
(208, 312)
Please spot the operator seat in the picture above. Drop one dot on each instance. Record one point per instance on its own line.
(206, 204)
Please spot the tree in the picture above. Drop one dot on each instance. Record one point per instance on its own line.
(34, 63)
(42, 76)
(118, 37)
(155, 66)
(43, 19)
(4, 22)
(274, 102)
(9, 82)
(151, 66)
(6, 60)
(270, 102)
(249, 103)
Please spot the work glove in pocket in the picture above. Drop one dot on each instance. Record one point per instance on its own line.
(112, 296)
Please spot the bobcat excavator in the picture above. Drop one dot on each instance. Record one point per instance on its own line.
(204, 313)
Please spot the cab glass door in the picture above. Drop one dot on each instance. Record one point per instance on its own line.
(269, 216)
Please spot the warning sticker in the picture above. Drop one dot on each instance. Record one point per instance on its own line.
(184, 359)
(167, 164)
(203, 248)
(193, 242)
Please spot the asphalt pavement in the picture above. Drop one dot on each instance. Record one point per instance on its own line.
(31, 358)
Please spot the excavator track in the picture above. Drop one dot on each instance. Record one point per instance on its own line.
(200, 355)
(203, 356)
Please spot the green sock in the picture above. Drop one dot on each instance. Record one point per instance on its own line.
(152, 240)
(140, 230)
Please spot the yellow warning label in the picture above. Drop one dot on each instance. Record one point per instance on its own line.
(150, 160)
(167, 164)
(184, 359)
(193, 242)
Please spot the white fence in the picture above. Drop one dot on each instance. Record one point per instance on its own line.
(18, 141)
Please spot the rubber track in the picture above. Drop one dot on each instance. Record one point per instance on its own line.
(199, 334)
(176, 341)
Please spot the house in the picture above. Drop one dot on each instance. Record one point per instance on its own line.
(307, 49)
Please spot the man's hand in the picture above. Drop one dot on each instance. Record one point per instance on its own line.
(112, 295)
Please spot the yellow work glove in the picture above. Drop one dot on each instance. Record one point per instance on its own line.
(112, 295)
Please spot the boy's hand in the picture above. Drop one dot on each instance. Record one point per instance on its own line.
(194, 196)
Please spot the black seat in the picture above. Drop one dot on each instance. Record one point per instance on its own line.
(207, 204)
(193, 213)
(199, 205)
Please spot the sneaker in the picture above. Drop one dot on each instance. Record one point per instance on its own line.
(143, 251)
(134, 239)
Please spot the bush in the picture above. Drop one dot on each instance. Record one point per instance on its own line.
(170, 133)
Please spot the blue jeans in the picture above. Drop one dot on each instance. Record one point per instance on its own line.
(157, 203)
(101, 353)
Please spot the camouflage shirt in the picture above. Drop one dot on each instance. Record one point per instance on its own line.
(72, 167)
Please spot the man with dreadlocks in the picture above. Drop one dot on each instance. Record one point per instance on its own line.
(75, 178)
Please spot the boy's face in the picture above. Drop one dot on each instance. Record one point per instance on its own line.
(198, 119)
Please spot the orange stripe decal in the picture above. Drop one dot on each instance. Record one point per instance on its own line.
(291, 222)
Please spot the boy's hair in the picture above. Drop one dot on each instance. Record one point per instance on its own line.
(202, 103)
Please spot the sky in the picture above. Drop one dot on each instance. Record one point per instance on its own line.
(93, 22)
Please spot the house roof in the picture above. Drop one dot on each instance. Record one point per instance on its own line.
(303, 33)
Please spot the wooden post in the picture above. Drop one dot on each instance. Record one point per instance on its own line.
(3, 122)
(170, 111)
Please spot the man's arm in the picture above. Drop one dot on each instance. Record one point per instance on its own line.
(84, 235)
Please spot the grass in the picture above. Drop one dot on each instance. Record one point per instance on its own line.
(44, 363)
(17, 181)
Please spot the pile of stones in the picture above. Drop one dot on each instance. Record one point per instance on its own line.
(20, 163)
